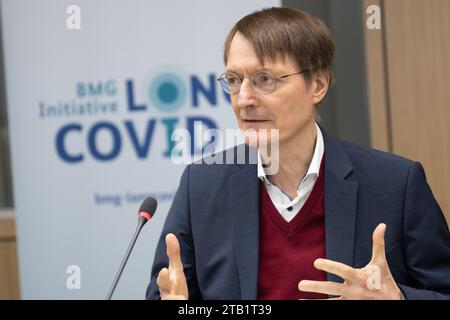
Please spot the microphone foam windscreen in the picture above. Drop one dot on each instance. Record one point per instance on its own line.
(149, 205)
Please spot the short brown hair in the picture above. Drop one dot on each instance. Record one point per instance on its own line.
(280, 32)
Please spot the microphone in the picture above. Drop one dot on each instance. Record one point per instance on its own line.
(146, 212)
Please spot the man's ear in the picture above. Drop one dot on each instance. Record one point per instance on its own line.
(320, 85)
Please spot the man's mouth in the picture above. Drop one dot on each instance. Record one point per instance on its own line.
(253, 120)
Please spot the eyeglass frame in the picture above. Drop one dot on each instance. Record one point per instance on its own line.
(220, 79)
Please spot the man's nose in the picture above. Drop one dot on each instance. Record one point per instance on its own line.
(247, 94)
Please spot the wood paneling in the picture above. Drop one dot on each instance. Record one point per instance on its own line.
(9, 278)
(412, 55)
(418, 60)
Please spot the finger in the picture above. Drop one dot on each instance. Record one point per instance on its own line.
(378, 247)
(173, 253)
(337, 268)
(163, 281)
(324, 287)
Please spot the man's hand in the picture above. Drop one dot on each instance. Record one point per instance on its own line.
(373, 282)
(172, 282)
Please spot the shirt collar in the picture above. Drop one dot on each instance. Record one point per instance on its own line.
(314, 166)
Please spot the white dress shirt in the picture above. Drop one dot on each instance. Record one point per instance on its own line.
(287, 207)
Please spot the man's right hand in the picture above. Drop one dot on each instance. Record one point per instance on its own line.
(172, 282)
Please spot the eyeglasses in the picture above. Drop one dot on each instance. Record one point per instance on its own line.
(262, 81)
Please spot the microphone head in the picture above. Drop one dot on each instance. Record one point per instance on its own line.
(148, 208)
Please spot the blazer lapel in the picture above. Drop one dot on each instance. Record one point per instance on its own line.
(340, 204)
(244, 191)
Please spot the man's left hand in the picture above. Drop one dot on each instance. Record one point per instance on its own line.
(373, 282)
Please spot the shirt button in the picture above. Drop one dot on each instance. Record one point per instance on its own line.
(289, 209)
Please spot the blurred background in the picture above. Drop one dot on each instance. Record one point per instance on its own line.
(71, 181)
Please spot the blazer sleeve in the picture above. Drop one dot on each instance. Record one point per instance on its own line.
(426, 241)
(177, 222)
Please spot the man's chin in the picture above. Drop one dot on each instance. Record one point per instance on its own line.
(258, 139)
(252, 143)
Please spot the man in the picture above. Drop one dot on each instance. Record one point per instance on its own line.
(335, 221)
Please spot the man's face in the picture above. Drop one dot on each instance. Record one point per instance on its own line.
(289, 108)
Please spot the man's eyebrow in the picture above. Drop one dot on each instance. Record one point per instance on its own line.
(261, 68)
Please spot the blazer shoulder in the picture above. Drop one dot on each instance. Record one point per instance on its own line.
(381, 161)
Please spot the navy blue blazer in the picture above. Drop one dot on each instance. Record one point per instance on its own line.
(215, 216)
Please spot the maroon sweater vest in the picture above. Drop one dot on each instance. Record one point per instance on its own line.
(287, 250)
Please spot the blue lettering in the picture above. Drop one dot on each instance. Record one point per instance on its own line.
(110, 88)
(209, 93)
(117, 141)
(191, 121)
(140, 143)
(95, 89)
(169, 123)
(60, 146)
(141, 149)
(130, 98)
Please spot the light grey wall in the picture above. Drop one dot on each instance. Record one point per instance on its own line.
(344, 112)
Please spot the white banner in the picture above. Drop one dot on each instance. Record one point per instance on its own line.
(94, 91)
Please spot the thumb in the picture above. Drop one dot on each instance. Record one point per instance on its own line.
(173, 253)
(378, 247)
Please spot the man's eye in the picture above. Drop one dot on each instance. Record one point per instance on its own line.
(265, 79)
(233, 81)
